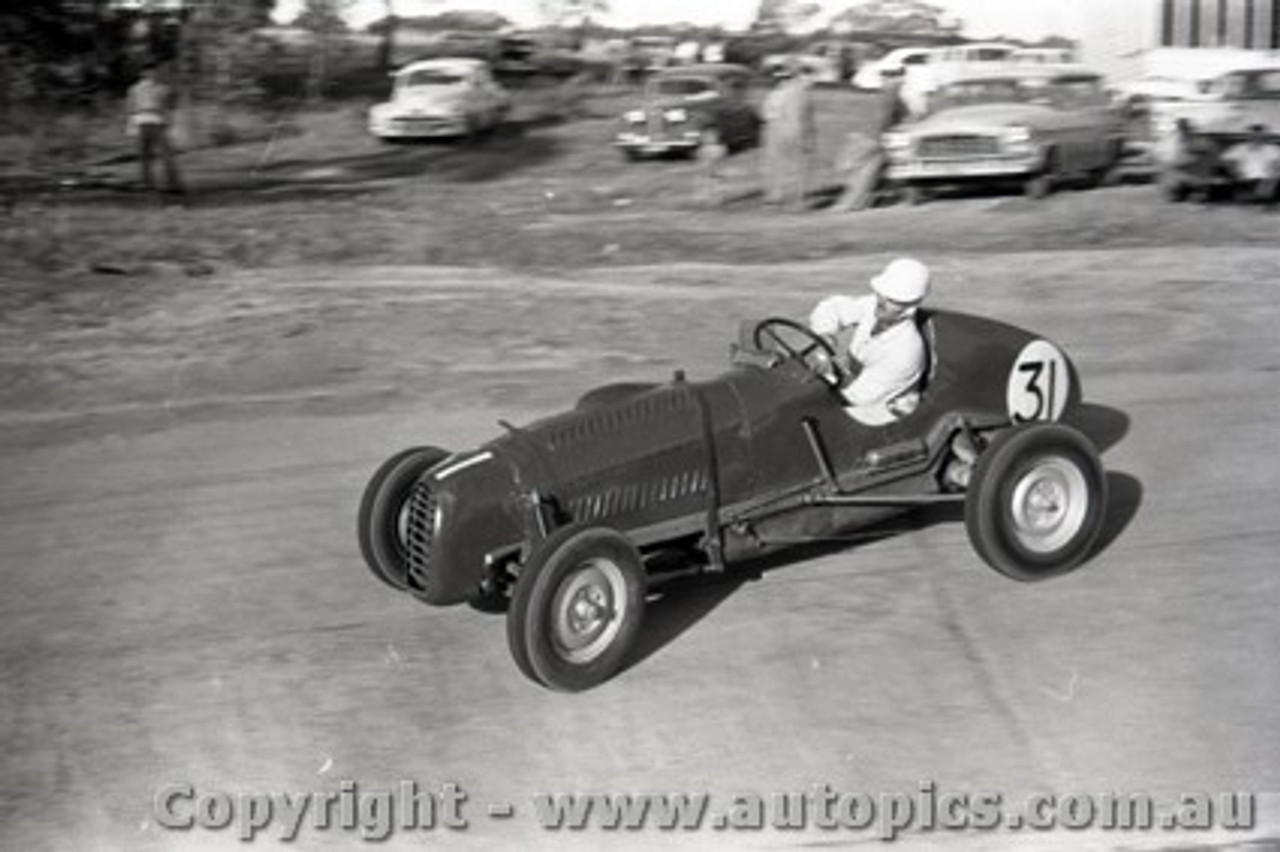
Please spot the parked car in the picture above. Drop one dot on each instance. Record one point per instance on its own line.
(893, 65)
(568, 522)
(1227, 106)
(440, 97)
(1032, 125)
(1042, 55)
(950, 63)
(679, 103)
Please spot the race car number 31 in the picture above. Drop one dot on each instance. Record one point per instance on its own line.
(1039, 383)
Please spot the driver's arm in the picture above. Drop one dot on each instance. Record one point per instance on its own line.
(836, 313)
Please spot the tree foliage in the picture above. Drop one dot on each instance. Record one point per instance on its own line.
(559, 13)
(897, 16)
(785, 16)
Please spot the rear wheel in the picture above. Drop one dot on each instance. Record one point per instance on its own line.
(1036, 502)
(383, 515)
(576, 608)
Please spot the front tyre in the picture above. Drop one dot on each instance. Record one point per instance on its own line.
(1037, 501)
(576, 608)
(382, 520)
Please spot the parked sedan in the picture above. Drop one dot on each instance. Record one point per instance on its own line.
(1029, 125)
(680, 104)
(1229, 105)
(440, 98)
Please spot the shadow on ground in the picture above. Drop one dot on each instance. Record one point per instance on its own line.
(680, 604)
(488, 159)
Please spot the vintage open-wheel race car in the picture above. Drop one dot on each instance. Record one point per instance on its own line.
(567, 523)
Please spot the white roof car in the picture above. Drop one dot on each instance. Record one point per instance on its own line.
(872, 75)
(440, 97)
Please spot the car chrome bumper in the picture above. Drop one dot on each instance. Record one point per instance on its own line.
(416, 128)
(646, 144)
(967, 169)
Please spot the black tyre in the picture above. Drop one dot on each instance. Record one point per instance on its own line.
(1040, 184)
(914, 194)
(576, 608)
(380, 524)
(1036, 502)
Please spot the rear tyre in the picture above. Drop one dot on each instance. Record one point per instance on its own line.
(381, 520)
(1036, 502)
(576, 608)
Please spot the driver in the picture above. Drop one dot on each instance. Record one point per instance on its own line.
(886, 342)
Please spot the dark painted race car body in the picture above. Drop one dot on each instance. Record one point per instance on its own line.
(567, 521)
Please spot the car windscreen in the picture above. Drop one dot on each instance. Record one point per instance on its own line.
(1064, 92)
(433, 78)
(1263, 85)
(988, 91)
(683, 87)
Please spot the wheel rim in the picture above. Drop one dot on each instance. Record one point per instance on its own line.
(588, 610)
(1049, 505)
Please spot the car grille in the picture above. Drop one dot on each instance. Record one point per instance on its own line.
(421, 530)
(945, 147)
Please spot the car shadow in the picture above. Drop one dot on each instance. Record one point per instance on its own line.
(1105, 426)
(677, 605)
(680, 604)
(254, 180)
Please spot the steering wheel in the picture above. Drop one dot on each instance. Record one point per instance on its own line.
(772, 334)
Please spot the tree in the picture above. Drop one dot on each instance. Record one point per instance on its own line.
(563, 13)
(785, 15)
(323, 16)
(325, 19)
(896, 16)
(387, 29)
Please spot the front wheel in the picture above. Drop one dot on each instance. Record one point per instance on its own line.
(382, 520)
(1041, 184)
(1037, 501)
(576, 608)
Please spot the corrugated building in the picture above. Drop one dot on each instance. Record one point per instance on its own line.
(1118, 33)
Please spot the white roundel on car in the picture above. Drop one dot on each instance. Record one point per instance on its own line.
(1039, 383)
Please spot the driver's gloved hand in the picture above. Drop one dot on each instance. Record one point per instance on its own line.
(825, 368)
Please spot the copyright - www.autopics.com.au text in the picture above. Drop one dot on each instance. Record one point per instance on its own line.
(376, 814)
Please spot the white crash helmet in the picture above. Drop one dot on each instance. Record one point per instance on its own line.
(904, 280)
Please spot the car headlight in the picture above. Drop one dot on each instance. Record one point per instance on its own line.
(896, 143)
(1016, 137)
(635, 116)
(676, 115)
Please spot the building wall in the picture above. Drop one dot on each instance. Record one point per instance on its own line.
(1117, 32)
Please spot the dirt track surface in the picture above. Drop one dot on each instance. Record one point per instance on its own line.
(184, 600)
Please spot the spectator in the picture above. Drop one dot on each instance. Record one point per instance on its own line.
(711, 155)
(1255, 167)
(1189, 163)
(790, 135)
(863, 161)
(151, 103)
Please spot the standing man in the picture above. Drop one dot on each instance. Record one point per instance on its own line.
(864, 158)
(150, 104)
(790, 135)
